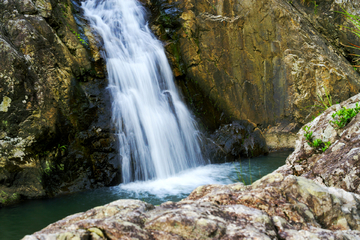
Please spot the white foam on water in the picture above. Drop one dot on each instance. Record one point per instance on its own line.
(183, 182)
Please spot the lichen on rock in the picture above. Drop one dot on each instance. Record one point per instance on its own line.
(276, 206)
(5, 104)
(341, 159)
(51, 91)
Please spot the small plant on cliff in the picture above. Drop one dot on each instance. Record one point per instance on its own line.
(355, 20)
(6, 198)
(308, 134)
(48, 168)
(239, 173)
(62, 147)
(78, 36)
(61, 167)
(324, 103)
(343, 116)
(312, 2)
(3, 193)
(317, 143)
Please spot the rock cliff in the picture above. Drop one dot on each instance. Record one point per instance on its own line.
(54, 108)
(265, 61)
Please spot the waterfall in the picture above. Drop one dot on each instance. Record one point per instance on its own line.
(157, 136)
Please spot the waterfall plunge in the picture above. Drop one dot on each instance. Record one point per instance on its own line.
(156, 133)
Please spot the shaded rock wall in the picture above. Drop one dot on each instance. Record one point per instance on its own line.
(54, 108)
(233, 141)
(265, 61)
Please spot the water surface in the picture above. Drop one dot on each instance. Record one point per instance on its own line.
(32, 216)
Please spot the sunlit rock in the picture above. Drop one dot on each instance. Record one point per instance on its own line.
(338, 166)
(276, 205)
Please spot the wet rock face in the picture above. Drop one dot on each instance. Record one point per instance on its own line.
(55, 128)
(341, 159)
(275, 207)
(261, 60)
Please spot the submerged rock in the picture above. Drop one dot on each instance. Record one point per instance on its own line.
(274, 207)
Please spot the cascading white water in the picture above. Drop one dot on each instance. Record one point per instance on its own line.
(156, 132)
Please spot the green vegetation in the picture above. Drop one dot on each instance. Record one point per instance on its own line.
(321, 104)
(308, 134)
(165, 19)
(4, 125)
(355, 20)
(324, 103)
(240, 174)
(64, 11)
(78, 36)
(310, 2)
(343, 116)
(61, 167)
(5, 198)
(62, 147)
(317, 144)
(315, 6)
(50, 167)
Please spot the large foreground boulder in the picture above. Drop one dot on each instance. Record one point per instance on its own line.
(275, 207)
